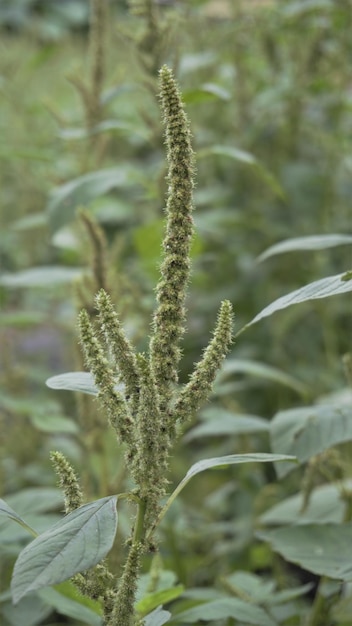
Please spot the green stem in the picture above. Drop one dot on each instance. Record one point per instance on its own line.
(139, 530)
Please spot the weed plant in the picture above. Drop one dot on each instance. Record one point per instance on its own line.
(249, 545)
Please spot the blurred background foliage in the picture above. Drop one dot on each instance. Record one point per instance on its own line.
(267, 86)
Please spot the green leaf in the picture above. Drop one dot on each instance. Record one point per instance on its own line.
(261, 370)
(263, 591)
(313, 242)
(307, 431)
(224, 609)
(67, 601)
(21, 319)
(103, 127)
(228, 151)
(76, 543)
(54, 424)
(36, 500)
(245, 157)
(43, 276)
(153, 600)
(221, 461)
(322, 549)
(325, 505)
(323, 288)
(67, 198)
(29, 612)
(7, 511)
(76, 381)
(157, 617)
(204, 93)
(220, 422)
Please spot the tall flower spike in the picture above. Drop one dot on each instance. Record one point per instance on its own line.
(112, 399)
(121, 348)
(197, 390)
(169, 318)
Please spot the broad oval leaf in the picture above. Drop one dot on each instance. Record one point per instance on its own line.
(323, 288)
(307, 431)
(322, 549)
(312, 242)
(76, 381)
(226, 608)
(42, 276)
(77, 542)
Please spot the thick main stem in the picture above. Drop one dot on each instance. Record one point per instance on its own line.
(123, 610)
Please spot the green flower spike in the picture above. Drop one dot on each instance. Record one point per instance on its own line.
(105, 380)
(169, 318)
(68, 481)
(120, 348)
(198, 389)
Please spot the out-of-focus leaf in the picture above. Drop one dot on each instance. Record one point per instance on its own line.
(245, 157)
(119, 90)
(54, 424)
(67, 198)
(222, 461)
(325, 505)
(261, 370)
(313, 242)
(307, 431)
(67, 601)
(224, 609)
(323, 288)
(28, 612)
(157, 617)
(21, 319)
(153, 600)
(34, 220)
(299, 7)
(322, 549)
(263, 591)
(104, 127)
(42, 276)
(36, 500)
(228, 151)
(220, 422)
(192, 62)
(7, 511)
(77, 542)
(204, 93)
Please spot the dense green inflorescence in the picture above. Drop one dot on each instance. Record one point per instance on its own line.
(139, 391)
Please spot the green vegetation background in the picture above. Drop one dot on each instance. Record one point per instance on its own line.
(267, 86)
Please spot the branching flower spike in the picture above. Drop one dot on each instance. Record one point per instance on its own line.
(147, 416)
